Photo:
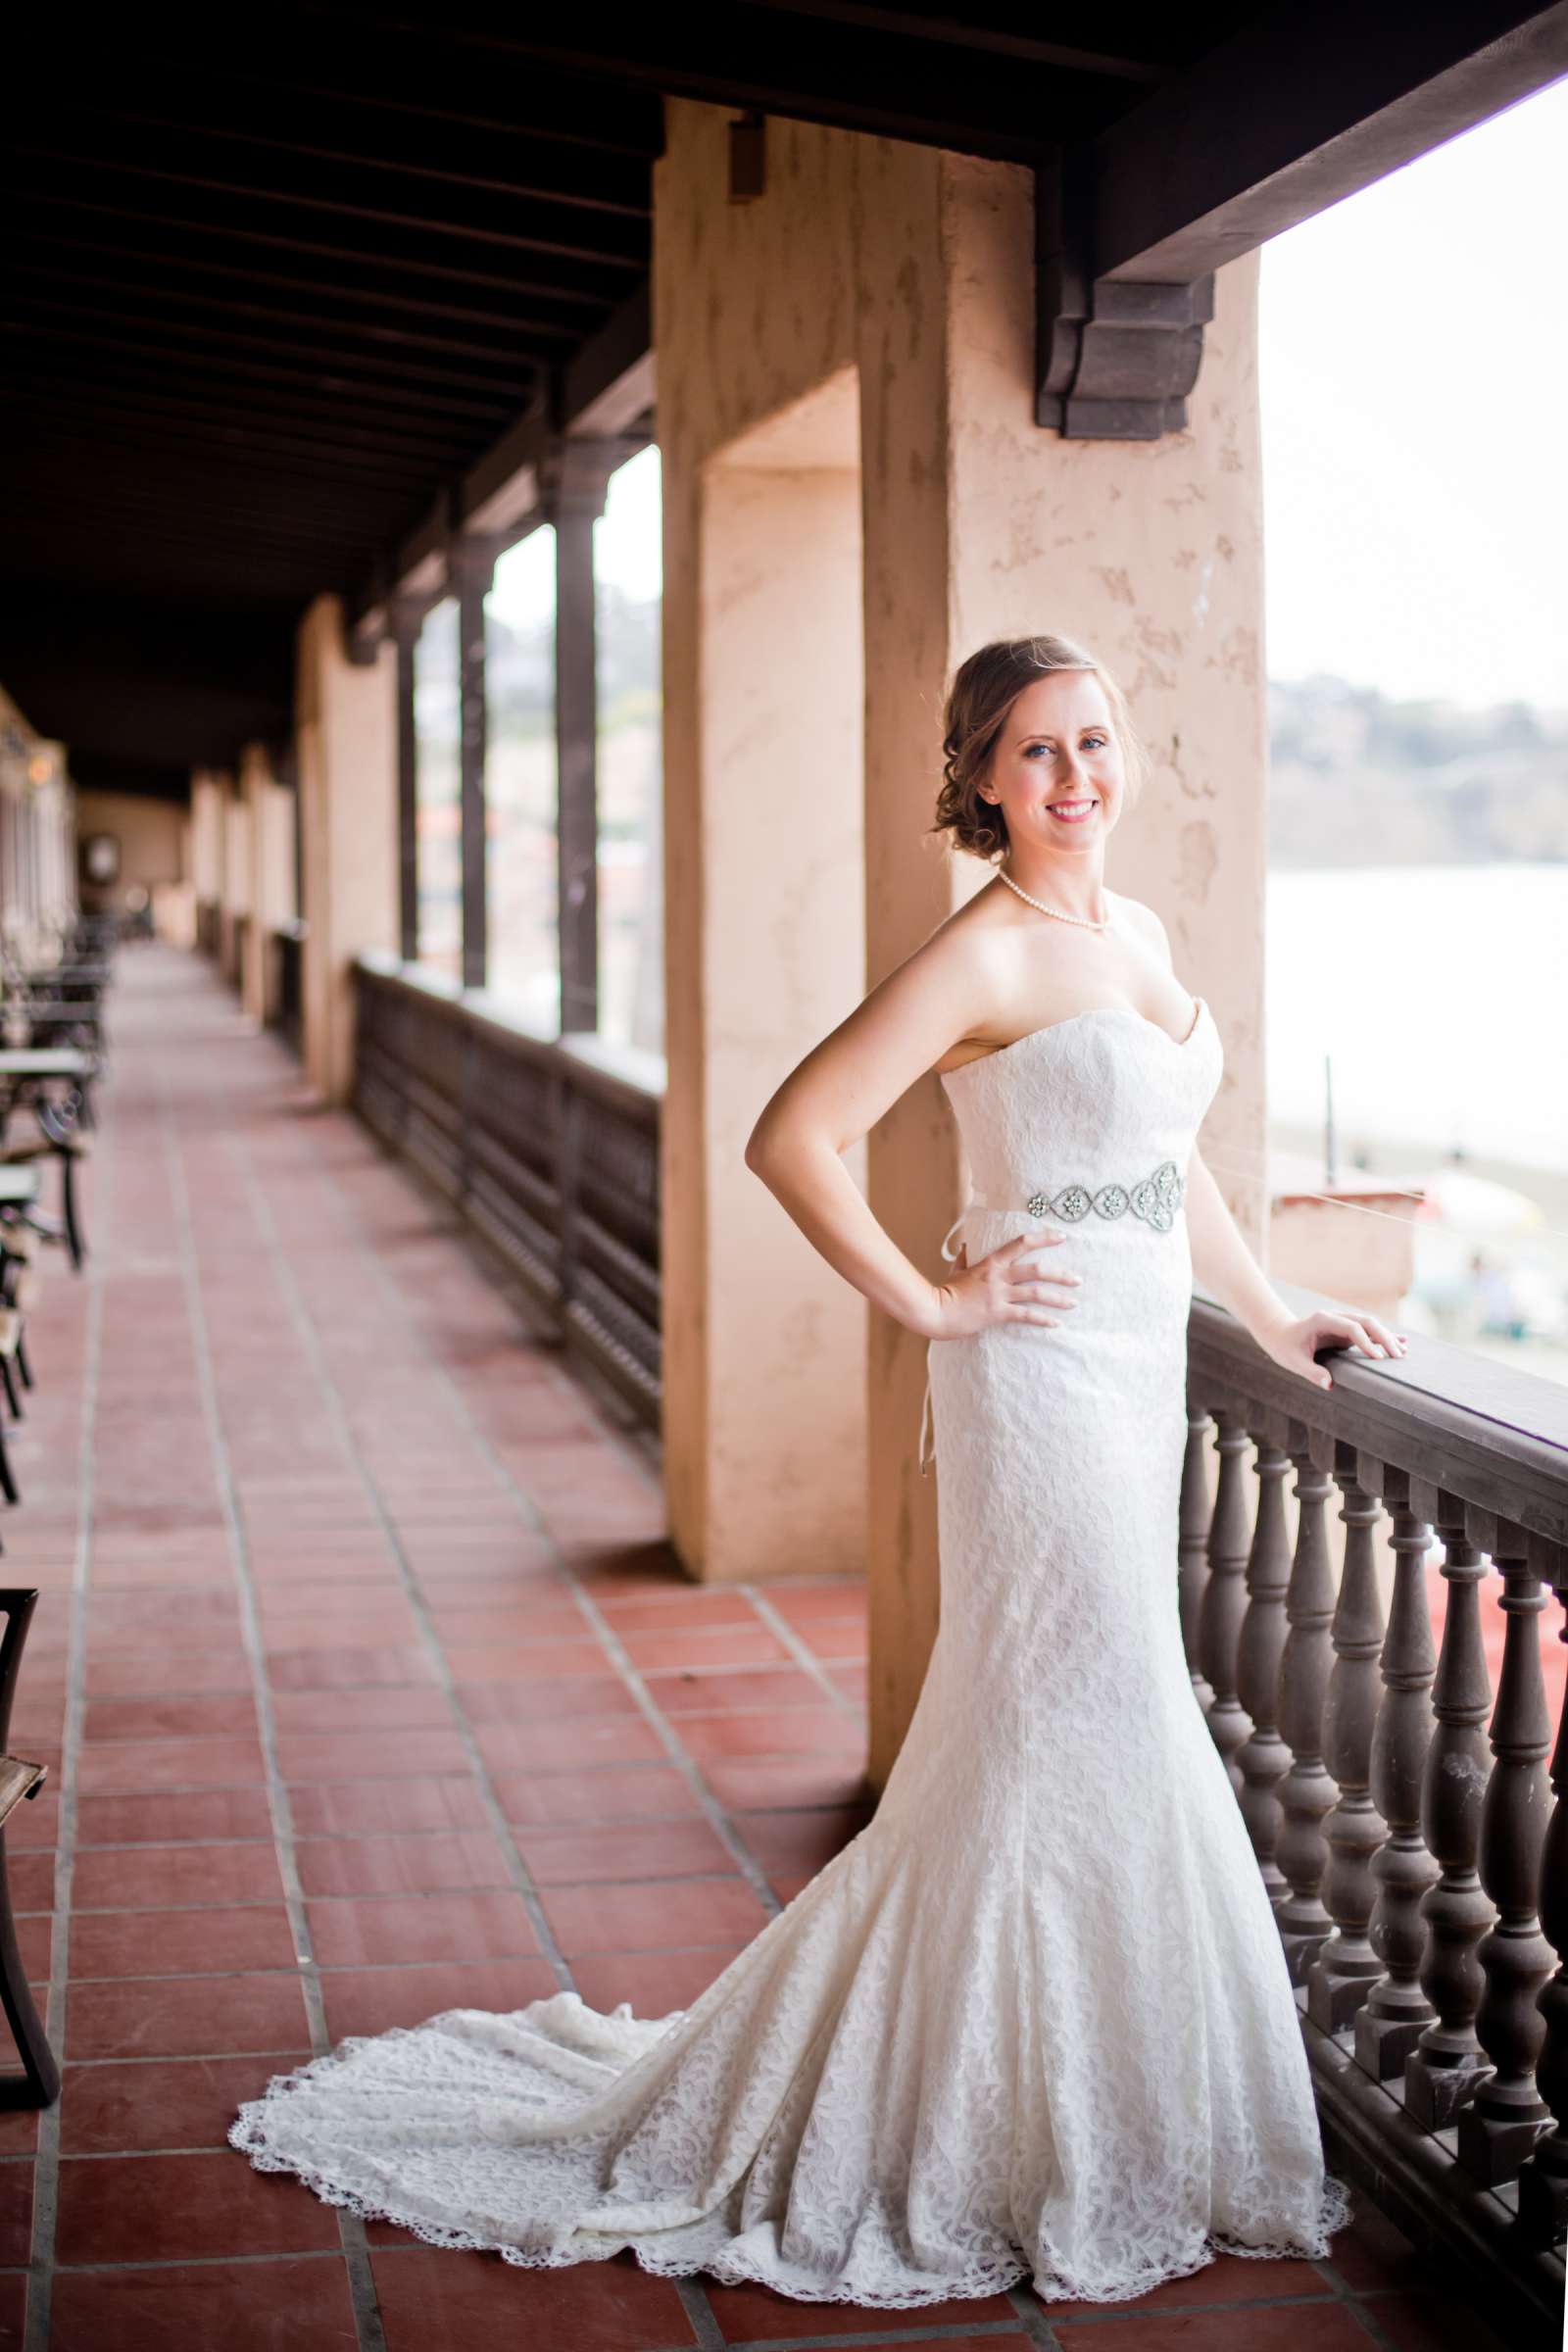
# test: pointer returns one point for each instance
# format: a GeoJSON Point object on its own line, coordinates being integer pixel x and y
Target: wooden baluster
{"type": "Point", "coordinates": [1307, 1793]}
{"type": "Point", "coordinates": [1444, 2069]}
{"type": "Point", "coordinates": [1390, 2021]}
{"type": "Point", "coordinates": [1499, 2127]}
{"type": "Point", "coordinates": [1544, 2181]}
{"type": "Point", "coordinates": [1225, 1595]}
{"type": "Point", "coordinates": [1192, 1543]}
{"type": "Point", "coordinates": [1263, 1759]}
{"type": "Point", "coordinates": [1347, 1968]}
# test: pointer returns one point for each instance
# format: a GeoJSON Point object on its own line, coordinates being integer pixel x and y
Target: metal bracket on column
{"type": "Point", "coordinates": [1115, 358]}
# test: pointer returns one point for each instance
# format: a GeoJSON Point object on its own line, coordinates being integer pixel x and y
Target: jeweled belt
{"type": "Point", "coordinates": [1154, 1199]}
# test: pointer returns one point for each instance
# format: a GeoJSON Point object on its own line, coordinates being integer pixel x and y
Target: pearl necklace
{"type": "Point", "coordinates": [1087, 921]}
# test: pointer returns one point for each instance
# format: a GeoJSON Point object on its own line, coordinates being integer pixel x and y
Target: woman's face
{"type": "Point", "coordinates": [1057, 771]}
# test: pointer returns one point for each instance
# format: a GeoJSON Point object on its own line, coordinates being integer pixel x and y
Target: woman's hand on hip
{"type": "Point", "coordinates": [1002, 1287]}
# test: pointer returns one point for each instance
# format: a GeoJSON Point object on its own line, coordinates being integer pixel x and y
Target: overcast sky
{"type": "Point", "coordinates": [1414, 387]}
{"type": "Point", "coordinates": [1414, 384]}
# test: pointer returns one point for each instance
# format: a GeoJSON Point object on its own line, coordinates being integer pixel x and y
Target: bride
{"type": "Point", "coordinates": [1035, 2021]}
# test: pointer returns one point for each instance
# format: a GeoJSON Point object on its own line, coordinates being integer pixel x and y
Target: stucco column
{"type": "Point", "coordinates": [763, 1344]}
{"type": "Point", "coordinates": [270, 816]}
{"type": "Point", "coordinates": [233, 893]}
{"type": "Point", "coordinates": [207, 854]}
{"type": "Point", "coordinates": [979, 524]}
{"type": "Point", "coordinates": [346, 716]}
{"type": "Point", "coordinates": [255, 771]}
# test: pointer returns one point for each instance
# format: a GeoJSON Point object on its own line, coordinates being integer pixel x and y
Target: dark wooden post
{"type": "Point", "coordinates": [472, 565]}
{"type": "Point", "coordinates": [1390, 2020]}
{"type": "Point", "coordinates": [572, 485]}
{"type": "Point", "coordinates": [1543, 2182]}
{"type": "Point", "coordinates": [1225, 1595]}
{"type": "Point", "coordinates": [1192, 1544]}
{"type": "Point", "coordinates": [1444, 2070]}
{"type": "Point", "coordinates": [406, 618]}
{"type": "Point", "coordinates": [577, 500]}
{"type": "Point", "coordinates": [1306, 1792]}
{"type": "Point", "coordinates": [1499, 2127]}
{"type": "Point", "coordinates": [1347, 1968]}
{"type": "Point", "coordinates": [1263, 1759]}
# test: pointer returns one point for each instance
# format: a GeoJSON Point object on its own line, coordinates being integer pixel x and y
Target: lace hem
{"type": "Point", "coordinates": [718, 2263]}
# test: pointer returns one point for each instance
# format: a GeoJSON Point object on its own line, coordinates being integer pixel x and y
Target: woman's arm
{"type": "Point", "coordinates": [1230, 1273]}
{"type": "Point", "coordinates": [939, 995]}
{"type": "Point", "coordinates": [1223, 1260]}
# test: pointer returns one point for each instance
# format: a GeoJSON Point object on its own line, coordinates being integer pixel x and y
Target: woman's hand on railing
{"type": "Point", "coordinates": [1294, 1341]}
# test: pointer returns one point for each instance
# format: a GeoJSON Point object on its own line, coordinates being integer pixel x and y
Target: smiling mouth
{"type": "Point", "coordinates": [1071, 813]}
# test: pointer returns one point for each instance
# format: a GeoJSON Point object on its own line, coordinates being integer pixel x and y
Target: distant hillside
{"type": "Point", "coordinates": [1359, 780]}
{"type": "Point", "coordinates": [521, 665]}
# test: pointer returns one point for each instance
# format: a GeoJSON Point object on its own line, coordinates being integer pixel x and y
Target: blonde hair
{"type": "Point", "coordinates": [983, 691]}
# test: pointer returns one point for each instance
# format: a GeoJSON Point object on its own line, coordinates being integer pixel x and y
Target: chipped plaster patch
{"type": "Point", "coordinates": [1197, 861]}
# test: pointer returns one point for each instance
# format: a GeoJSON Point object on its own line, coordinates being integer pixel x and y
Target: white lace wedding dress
{"type": "Point", "coordinates": [1035, 2020]}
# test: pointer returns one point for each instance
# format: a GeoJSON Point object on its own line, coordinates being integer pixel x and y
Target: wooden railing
{"type": "Point", "coordinates": [1411, 1835]}
{"type": "Point", "coordinates": [549, 1147]}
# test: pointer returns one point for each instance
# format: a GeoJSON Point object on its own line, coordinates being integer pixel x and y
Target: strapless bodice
{"type": "Point", "coordinates": [1102, 1098]}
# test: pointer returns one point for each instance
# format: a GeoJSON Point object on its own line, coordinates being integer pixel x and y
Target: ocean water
{"type": "Point", "coordinates": [1440, 994]}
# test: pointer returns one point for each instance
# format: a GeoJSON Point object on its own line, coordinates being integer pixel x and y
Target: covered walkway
{"type": "Point", "coordinates": [369, 1688]}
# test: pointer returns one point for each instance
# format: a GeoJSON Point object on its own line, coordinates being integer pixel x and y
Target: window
{"type": "Point", "coordinates": [521, 783]}
{"type": "Point", "coordinates": [438, 789]}
{"type": "Point", "coordinates": [628, 551]}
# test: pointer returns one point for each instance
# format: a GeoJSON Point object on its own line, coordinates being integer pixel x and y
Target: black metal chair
{"type": "Point", "coordinates": [39, 2084]}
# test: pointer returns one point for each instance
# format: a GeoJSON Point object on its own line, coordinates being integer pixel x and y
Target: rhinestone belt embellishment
{"type": "Point", "coordinates": [1155, 1200]}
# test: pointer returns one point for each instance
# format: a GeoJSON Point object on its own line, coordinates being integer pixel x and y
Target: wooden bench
{"type": "Point", "coordinates": [39, 2084]}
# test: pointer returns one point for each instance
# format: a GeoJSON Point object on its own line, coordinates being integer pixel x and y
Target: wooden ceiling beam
{"type": "Point", "coordinates": [309, 53]}
{"type": "Point", "coordinates": [217, 295]}
{"type": "Point", "coordinates": [1153, 43]}
{"type": "Point", "coordinates": [330, 499]}
{"type": "Point", "coordinates": [849, 74]}
{"type": "Point", "coordinates": [59, 408]}
{"type": "Point", "coordinates": [141, 246]}
{"type": "Point", "coordinates": [196, 355]}
{"type": "Point", "coordinates": [290, 132]}
{"type": "Point", "coordinates": [1302, 108]}
{"type": "Point", "coordinates": [1201, 172]}
{"type": "Point", "coordinates": [439, 264]}
{"type": "Point", "coordinates": [314, 186]}
{"type": "Point", "coordinates": [149, 397]}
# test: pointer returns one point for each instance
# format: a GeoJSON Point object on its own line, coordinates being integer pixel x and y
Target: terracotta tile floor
{"type": "Point", "coordinates": [360, 1640]}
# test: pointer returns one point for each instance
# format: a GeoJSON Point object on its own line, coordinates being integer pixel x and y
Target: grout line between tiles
{"type": "Point", "coordinates": [46, 2176]}
{"type": "Point", "coordinates": [368, 2330]}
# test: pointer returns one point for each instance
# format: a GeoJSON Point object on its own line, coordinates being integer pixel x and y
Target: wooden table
{"type": "Point", "coordinates": [44, 1062]}
{"type": "Point", "coordinates": [71, 975]}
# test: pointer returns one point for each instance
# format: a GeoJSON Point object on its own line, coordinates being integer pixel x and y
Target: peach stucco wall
{"type": "Point", "coordinates": [763, 1348]}
{"type": "Point", "coordinates": [152, 836]}
{"type": "Point", "coordinates": [980, 524]}
{"type": "Point", "coordinates": [913, 271]}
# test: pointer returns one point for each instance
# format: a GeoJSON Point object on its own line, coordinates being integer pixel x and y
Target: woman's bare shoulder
{"type": "Point", "coordinates": [1144, 920]}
